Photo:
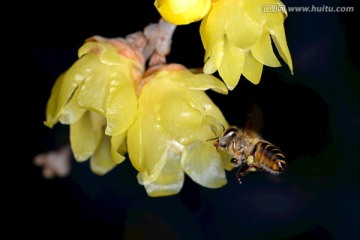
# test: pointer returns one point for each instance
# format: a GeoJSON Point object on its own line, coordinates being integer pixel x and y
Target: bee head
{"type": "Point", "coordinates": [227, 136]}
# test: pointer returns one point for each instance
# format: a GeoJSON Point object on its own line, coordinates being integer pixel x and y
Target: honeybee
{"type": "Point", "coordinates": [250, 152]}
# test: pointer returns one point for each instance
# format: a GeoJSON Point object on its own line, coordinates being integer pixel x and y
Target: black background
{"type": "Point", "coordinates": [313, 116]}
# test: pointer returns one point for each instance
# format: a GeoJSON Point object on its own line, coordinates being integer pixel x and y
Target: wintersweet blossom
{"type": "Point", "coordinates": [237, 36]}
{"type": "Point", "coordinates": [161, 119]}
{"type": "Point", "coordinates": [169, 135]}
{"type": "Point", "coordinates": [92, 97]}
{"type": "Point", "coordinates": [184, 11]}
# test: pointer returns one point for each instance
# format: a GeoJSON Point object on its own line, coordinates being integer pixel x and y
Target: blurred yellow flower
{"type": "Point", "coordinates": [173, 122]}
{"type": "Point", "coordinates": [184, 11]}
{"type": "Point", "coordinates": [237, 35]}
{"type": "Point", "coordinates": [92, 97]}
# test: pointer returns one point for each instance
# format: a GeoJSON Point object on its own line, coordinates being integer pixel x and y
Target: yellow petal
{"type": "Point", "coordinates": [213, 25]}
{"type": "Point", "coordinates": [122, 101]}
{"type": "Point", "coordinates": [179, 118]}
{"type": "Point", "coordinates": [212, 28]}
{"type": "Point", "coordinates": [280, 42]}
{"type": "Point", "coordinates": [266, 13]}
{"type": "Point", "coordinates": [203, 164]}
{"type": "Point", "coordinates": [100, 161]}
{"type": "Point", "coordinates": [240, 30]}
{"type": "Point", "coordinates": [67, 113]}
{"type": "Point", "coordinates": [272, 22]}
{"type": "Point", "coordinates": [52, 107]}
{"type": "Point", "coordinates": [94, 90]}
{"type": "Point", "coordinates": [85, 136]}
{"type": "Point", "coordinates": [212, 130]}
{"type": "Point", "coordinates": [134, 143]}
{"type": "Point", "coordinates": [211, 114]}
{"type": "Point", "coordinates": [232, 65]}
{"type": "Point", "coordinates": [171, 177]}
{"type": "Point", "coordinates": [147, 141]}
{"type": "Point", "coordinates": [74, 77]}
{"type": "Point", "coordinates": [178, 6]}
{"type": "Point", "coordinates": [216, 53]}
{"type": "Point", "coordinates": [71, 112]}
{"type": "Point", "coordinates": [88, 47]}
{"type": "Point", "coordinates": [263, 51]}
{"type": "Point", "coordinates": [118, 148]}
{"type": "Point", "coordinates": [252, 68]}
{"type": "Point", "coordinates": [199, 81]}
{"type": "Point", "coordinates": [63, 92]}
{"type": "Point", "coordinates": [106, 53]}
{"type": "Point", "coordinates": [182, 12]}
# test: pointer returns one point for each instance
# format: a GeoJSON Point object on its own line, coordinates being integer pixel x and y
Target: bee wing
{"type": "Point", "coordinates": [254, 119]}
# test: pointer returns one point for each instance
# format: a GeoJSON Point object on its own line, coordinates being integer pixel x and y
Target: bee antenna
{"type": "Point", "coordinates": [219, 123]}
{"type": "Point", "coordinates": [211, 139]}
{"type": "Point", "coordinates": [215, 138]}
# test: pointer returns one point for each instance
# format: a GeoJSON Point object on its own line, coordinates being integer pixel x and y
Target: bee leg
{"type": "Point", "coordinates": [243, 171]}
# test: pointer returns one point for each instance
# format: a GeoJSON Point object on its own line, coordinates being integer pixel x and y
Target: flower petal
{"type": "Point", "coordinates": [145, 150]}
{"type": "Point", "coordinates": [279, 38]}
{"type": "Point", "coordinates": [95, 89]}
{"type": "Point", "coordinates": [272, 22]}
{"type": "Point", "coordinates": [134, 143]}
{"type": "Point", "coordinates": [203, 164]}
{"type": "Point", "coordinates": [211, 114]}
{"type": "Point", "coordinates": [232, 65]}
{"type": "Point", "coordinates": [122, 101]}
{"type": "Point", "coordinates": [171, 177]}
{"type": "Point", "coordinates": [52, 107]}
{"type": "Point", "coordinates": [212, 27]}
{"type": "Point", "coordinates": [182, 12]}
{"type": "Point", "coordinates": [212, 32]}
{"type": "Point", "coordinates": [101, 162]}
{"type": "Point", "coordinates": [241, 31]}
{"type": "Point", "coordinates": [85, 136]}
{"type": "Point", "coordinates": [105, 52]}
{"type": "Point", "coordinates": [63, 92]}
{"type": "Point", "coordinates": [71, 112]}
{"type": "Point", "coordinates": [226, 160]}
{"type": "Point", "coordinates": [215, 57]}
{"type": "Point", "coordinates": [199, 81]}
{"type": "Point", "coordinates": [260, 13]}
{"type": "Point", "coordinates": [74, 76]}
{"type": "Point", "coordinates": [252, 68]}
{"type": "Point", "coordinates": [263, 51]}
{"type": "Point", "coordinates": [179, 118]}
{"type": "Point", "coordinates": [118, 148]}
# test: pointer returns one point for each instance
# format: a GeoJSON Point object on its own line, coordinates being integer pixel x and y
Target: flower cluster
{"type": "Point", "coordinates": [237, 34]}
{"type": "Point", "coordinates": [122, 100]}
{"type": "Point", "coordinates": [159, 116]}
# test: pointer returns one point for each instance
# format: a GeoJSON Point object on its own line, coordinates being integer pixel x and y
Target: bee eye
{"type": "Point", "coordinates": [229, 134]}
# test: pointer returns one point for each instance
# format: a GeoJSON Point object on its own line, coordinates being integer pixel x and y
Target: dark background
{"type": "Point", "coordinates": [313, 116]}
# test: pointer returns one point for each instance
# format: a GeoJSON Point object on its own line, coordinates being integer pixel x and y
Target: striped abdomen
{"type": "Point", "coordinates": [268, 157]}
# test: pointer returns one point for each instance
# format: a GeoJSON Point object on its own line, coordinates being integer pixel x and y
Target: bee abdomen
{"type": "Point", "coordinates": [269, 157]}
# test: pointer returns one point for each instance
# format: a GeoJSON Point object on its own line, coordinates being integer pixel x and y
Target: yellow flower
{"type": "Point", "coordinates": [168, 137]}
{"type": "Point", "coordinates": [237, 35]}
{"type": "Point", "coordinates": [102, 80]}
{"type": "Point", "coordinates": [182, 11]}
{"type": "Point", "coordinates": [89, 141]}
{"type": "Point", "coordinates": [97, 95]}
